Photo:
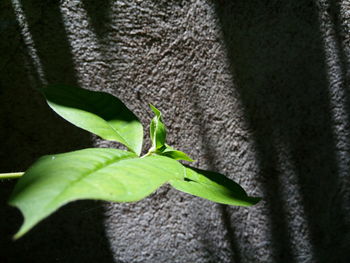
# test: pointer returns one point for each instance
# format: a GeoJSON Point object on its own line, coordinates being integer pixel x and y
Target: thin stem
{"type": "Point", "coordinates": [150, 151]}
{"type": "Point", "coordinates": [11, 175]}
{"type": "Point", "coordinates": [147, 154]}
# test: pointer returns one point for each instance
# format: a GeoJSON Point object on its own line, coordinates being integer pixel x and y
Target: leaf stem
{"type": "Point", "coordinates": [10, 175]}
{"type": "Point", "coordinates": [150, 151]}
{"type": "Point", "coordinates": [145, 155]}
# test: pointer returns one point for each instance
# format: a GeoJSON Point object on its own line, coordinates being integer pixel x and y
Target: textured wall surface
{"type": "Point", "coordinates": [258, 90]}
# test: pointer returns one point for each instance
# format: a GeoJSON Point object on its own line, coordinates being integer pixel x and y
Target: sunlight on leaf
{"type": "Point", "coordinates": [97, 112]}
{"type": "Point", "coordinates": [214, 187]}
{"type": "Point", "coordinates": [97, 173]}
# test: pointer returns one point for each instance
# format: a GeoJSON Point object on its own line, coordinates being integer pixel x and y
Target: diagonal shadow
{"type": "Point", "coordinates": [30, 129]}
{"type": "Point", "coordinates": [340, 33]}
{"type": "Point", "coordinates": [277, 58]}
{"type": "Point", "coordinates": [210, 158]}
{"type": "Point", "coordinates": [339, 72]}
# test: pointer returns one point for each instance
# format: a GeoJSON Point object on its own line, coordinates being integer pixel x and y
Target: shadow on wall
{"type": "Point", "coordinates": [98, 14]}
{"type": "Point", "coordinates": [278, 62]}
{"type": "Point", "coordinates": [29, 129]}
{"type": "Point", "coordinates": [209, 244]}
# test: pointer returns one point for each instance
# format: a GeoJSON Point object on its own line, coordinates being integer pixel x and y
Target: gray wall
{"type": "Point", "coordinates": [258, 90]}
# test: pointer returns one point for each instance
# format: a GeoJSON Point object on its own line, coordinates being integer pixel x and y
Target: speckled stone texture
{"type": "Point", "coordinates": [257, 90]}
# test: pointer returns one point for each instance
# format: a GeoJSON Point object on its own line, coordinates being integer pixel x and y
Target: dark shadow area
{"type": "Point", "coordinates": [29, 129]}
{"type": "Point", "coordinates": [226, 219]}
{"type": "Point", "coordinates": [278, 63]}
{"type": "Point", "coordinates": [98, 15]}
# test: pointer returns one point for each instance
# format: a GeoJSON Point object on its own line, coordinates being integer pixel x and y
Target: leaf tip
{"type": "Point", "coordinates": [23, 230]}
{"type": "Point", "coordinates": [17, 236]}
{"type": "Point", "coordinates": [252, 200]}
{"type": "Point", "coordinates": [155, 110]}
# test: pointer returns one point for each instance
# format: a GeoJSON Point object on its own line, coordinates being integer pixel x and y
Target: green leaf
{"type": "Point", "coordinates": [177, 155]}
{"type": "Point", "coordinates": [170, 152]}
{"type": "Point", "coordinates": [103, 174]}
{"type": "Point", "coordinates": [97, 112]}
{"type": "Point", "coordinates": [214, 187]}
{"type": "Point", "coordinates": [158, 137]}
{"type": "Point", "coordinates": [157, 129]}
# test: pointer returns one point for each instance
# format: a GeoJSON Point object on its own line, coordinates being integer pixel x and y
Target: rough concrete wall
{"type": "Point", "coordinates": [257, 90]}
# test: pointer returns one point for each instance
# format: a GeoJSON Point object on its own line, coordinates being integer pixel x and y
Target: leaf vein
{"type": "Point", "coordinates": [84, 175]}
